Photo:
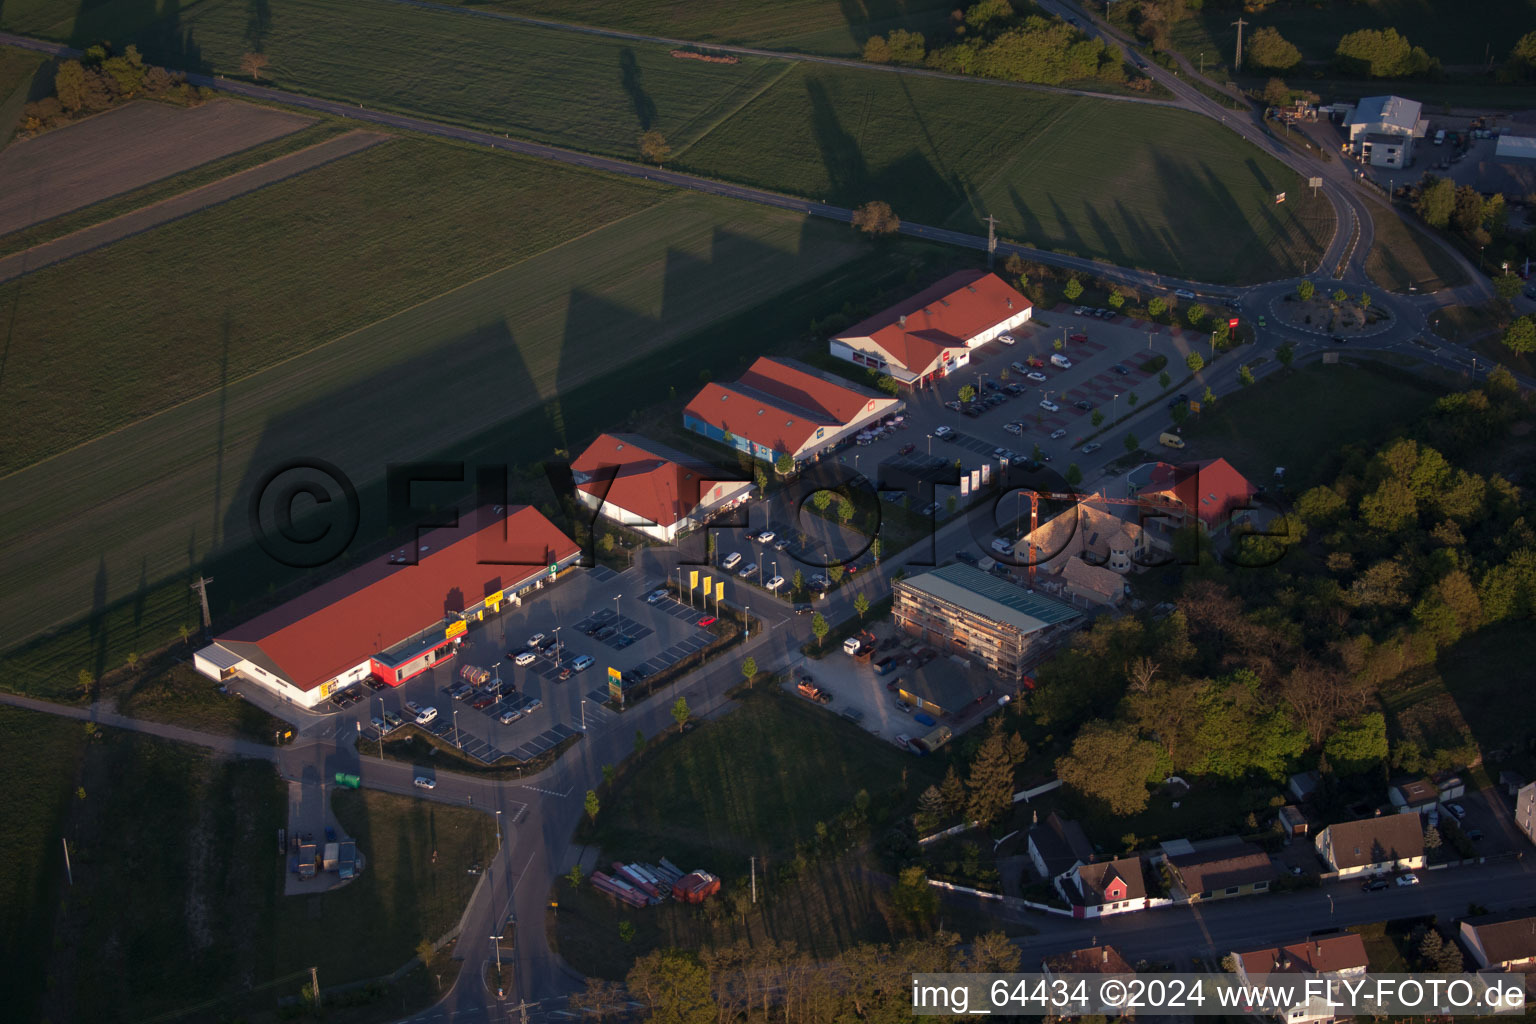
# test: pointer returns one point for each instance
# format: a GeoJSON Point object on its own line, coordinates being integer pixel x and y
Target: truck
{"type": "Point", "coordinates": [808, 688]}
{"type": "Point", "coordinates": [887, 664]}
{"type": "Point", "coordinates": [332, 856]}
{"type": "Point", "coordinates": [933, 741]}
{"type": "Point", "coordinates": [306, 861]}
{"type": "Point", "coordinates": [474, 675]}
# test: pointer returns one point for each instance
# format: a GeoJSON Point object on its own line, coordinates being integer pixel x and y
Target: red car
{"type": "Point", "coordinates": [851, 568]}
{"type": "Point", "coordinates": [1079, 337]}
{"type": "Point", "coordinates": [1035, 361]}
{"type": "Point", "coordinates": [708, 620]}
{"type": "Point", "coordinates": [906, 449]}
{"type": "Point", "coordinates": [484, 702]}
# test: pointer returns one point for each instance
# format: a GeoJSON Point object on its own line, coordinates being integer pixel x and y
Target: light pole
{"type": "Point", "coordinates": [498, 830]}
{"type": "Point", "coordinates": [497, 940]}
{"type": "Point", "coordinates": [456, 729]}
{"type": "Point", "coordinates": [616, 608]}
{"type": "Point", "coordinates": [557, 641]}
{"type": "Point", "coordinates": [1115, 408]}
{"type": "Point", "coordinates": [930, 446]}
{"type": "Point", "coordinates": [583, 716]}
{"type": "Point", "coordinates": [381, 728]}
{"type": "Point", "coordinates": [746, 622]}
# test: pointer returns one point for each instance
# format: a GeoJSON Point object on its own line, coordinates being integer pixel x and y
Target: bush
{"type": "Point", "coordinates": [1154, 364]}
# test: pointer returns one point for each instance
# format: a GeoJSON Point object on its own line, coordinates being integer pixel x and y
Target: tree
{"type": "Point", "coordinates": [1381, 54]}
{"type": "Point", "coordinates": [760, 477]}
{"type": "Point", "coordinates": [424, 951]}
{"type": "Point", "coordinates": [1208, 396]}
{"type": "Point", "coordinates": [819, 628]}
{"type": "Point", "coordinates": [1508, 286]}
{"type": "Point", "coordinates": [609, 774]}
{"type": "Point", "coordinates": [1157, 307]}
{"type": "Point", "coordinates": [1131, 444]}
{"type": "Point", "coordinates": [654, 148]}
{"type": "Point", "coordinates": [876, 218]}
{"type": "Point", "coordinates": [1073, 289]}
{"type": "Point", "coordinates": [1113, 764]}
{"type": "Point", "coordinates": [674, 986]}
{"type": "Point", "coordinates": [1432, 839]}
{"type": "Point", "coordinates": [1267, 48]}
{"type": "Point", "coordinates": [1131, 399]}
{"type": "Point", "coordinates": [890, 385]}
{"type": "Point", "coordinates": [798, 582]}
{"type": "Point", "coordinates": [989, 785]}
{"type": "Point", "coordinates": [639, 741]}
{"type": "Point", "coordinates": [1436, 201]}
{"type": "Point", "coordinates": [1163, 380]}
{"type": "Point", "coordinates": [1306, 289]}
{"type": "Point", "coordinates": [69, 85]}
{"type": "Point", "coordinates": [1197, 314]}
{"type": "Point", "coordinates": [967, 393]}
{"type": "Point", "coordinates": [749, 668]}
{"type": "Point", "coordinates": [877, 50]}
{"type": "Point", "coordinates": [913, 898]}
{"type": "Point", "coordinates": [1277, 93]}
{"type": "Point", "coordinates": [906, 47]}
{"type": "Point", "coordinates": [599, 1000]}
{"type": "Point", "coordinates": [1116, 300]}
{"type": "Point", "coordinates": [680, 712]}
{"type": "Point", "coordinates": [574, 876]}
{"type": "Point", "coordinates": [953, 792]}
{"type": "Point", "coordinates": [1097, 419]}
{"type": "Point", "coordinates": [1521, 336]}
{"type": "Point", "coordinates": [784, 464]}
{"type": "Point", "coordinates": [1074, 475]}
{"type": "Point", "coordinates": [822, 499]}
{"type": "Point", "coordinates": [835, 573]}
{"type": "Point", "coordinates": [590, 805]}
{"type": "Point", "coordinates": [133, 660]}
{"type": "Point", "coordinates": [1358, 746]}
{"type": "Point", "coordinates": [1195, 362]}
{"type": "Point", "coordinates": [860, 605]}
{"type": "Point", "coordinates": [1524, 52]}
{"type": "Point", "coordinates": [253, 64]}
{"type": "Point", "coordinates": [1286, 352]}
{"type": "Point", "coordinates": [86, 680]}
{"type": "Point", "coordinates": [1244, 376]}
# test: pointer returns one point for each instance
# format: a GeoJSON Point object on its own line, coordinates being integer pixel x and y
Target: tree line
{"type": "Point", "coordinates": [101, 79]}
{"type": "Point", "coordinates": [1281, 665]}
{"type": "Point", "coordinates": [990, 40]}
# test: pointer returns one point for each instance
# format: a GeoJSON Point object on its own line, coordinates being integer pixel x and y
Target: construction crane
{"type": "Point", "coordinates": [1034, 511]}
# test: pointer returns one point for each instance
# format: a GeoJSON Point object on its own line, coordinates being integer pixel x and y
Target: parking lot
{"type": "Point", "coordinates": [550, 698]}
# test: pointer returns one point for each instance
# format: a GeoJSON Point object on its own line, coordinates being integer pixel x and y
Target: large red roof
{"type": "Point", "coordinates": [781, 405]}
{"type": "Point", "coordinates": [651, 481]}
{"type": "Point", "coordinates": [1211, 489]}
{"type": "Point", "coordinates": [944, 316]}
{"type": "Point", "coordinates": [341, 624]}
{"type": "Point", "coordinates": [835, 401]}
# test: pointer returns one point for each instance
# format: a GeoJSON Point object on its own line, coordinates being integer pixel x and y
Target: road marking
{"type": "Point", "coordinates": [547, 792]}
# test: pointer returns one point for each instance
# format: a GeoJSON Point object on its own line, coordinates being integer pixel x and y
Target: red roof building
{"type": "Point", "coordinates": [930, 335]}
{"type": "Point", "coordinates": [1212, 490]}
{"type": "Point", "coordinates": [390, 618]}
{"type": "Point", "coordinates": [652, 489]}
{"type": "Point", "coordinates": [780, 406]}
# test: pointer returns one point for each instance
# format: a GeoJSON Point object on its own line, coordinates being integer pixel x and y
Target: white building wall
{"type": "Point", "coordinates": [1017, 320]}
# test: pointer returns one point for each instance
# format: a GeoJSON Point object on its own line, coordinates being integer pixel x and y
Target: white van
{"type": "Point", "coordinates": [1170, 440]}
{"type": "Point", "coordinates": [426, 716]}
{"type": "Point", "coordinates": [582, 663]}
{"type": "Point", "coordinates": [1440, 137]}
{"type": "Point", "coordinates": [1062, 361]}
{"type": "Point", "coordinates": [732, 560]}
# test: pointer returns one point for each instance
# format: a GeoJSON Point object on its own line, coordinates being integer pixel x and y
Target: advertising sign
{"type": "Point", "coordinates": [1232, 324]}
{"type": "Point", "coordinates": [454, 629]}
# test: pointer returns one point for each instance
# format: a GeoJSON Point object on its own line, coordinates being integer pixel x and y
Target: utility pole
{"type": "Point", "coordinates": [314, 984]}
{"type": "Point", "coordinates": [991, 240]}
{"type": "Point", "coordinates": [1238, 64]}
{"type": "Point", "coordinates": [754, 880]}
{"type": "Point", "coordinates": [201, 586]}
{"type": "Point", "coordinates": [70, 874]}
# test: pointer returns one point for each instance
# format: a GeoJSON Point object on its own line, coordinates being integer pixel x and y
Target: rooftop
{"type": "Point", "coordinates": [1093, 960]}
{"type": "Point", "coordinates": [650, 480]}
{"type": "Point", "coordinates": [1060, 843]}
{"type": "Point", "coordinates": [947, 314]}
{"type": "Point", "coordinates": [1222, 867]}
{"type": "Point", "coordinates": [1506, 937]}
{"type": "Point", "coordinates": [1321, 955]}
{"type": "Point", "coordinates": [1396, 111]}
{"type": "Point", "coordinates": [948, 683]}
{"type": "Point", "coordinates": [990, 597]}
{"type": "Point", "coordinates": [784, 405]}
{"type": "Point", "coordinates": [1372, 840]}
{"type": "Point", "coordinates": [1095, 878]}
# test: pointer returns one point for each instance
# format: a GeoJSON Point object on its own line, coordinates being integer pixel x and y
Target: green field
{"type": "Point", "coordinates": [836, 29]}
{"type": "Point", "coordinates": [1404, 254]}
{"type": "Point", "coordinates": [1364, 404]}
{"type": "Point", "coordinates": [16, 68]}
{"type": "Point", "coordinates": [1315, 29]}
{"type": "Point", "coordinates": [1144, 186]}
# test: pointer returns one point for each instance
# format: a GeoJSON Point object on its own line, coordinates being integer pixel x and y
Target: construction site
{"type": "Point", "coordinates": [644, 885]}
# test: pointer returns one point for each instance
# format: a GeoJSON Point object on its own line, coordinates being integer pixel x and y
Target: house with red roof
{"type": "Point", "coordinates": [651, 488]}
{"type": "Point", "coordinates": [1099, 888]}
{"type": "Point", "coordinates": [1314, 969]}
{"type": "Point", "coordinates": [782, 406]}
{"type": "Point", "coordinates": [929, 336]}
{"type": "Point", "coordinates": [395, 616]}
{"type": "Point", "coordinates": [1210, 492]}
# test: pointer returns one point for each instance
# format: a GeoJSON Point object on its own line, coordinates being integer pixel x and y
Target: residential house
{"type": "Point", "coordinates": [1525, 810]}
{"type": "Point", "coordinates": [780, 406]}
{"type": "Point", "coordinates": [1057, 845]}
{"type": "Point", "coordinates": [930, 335]}
{"type": "Point", "coordinates": [1083, 553]}
{"type": "Point", "coordinates": [1101, 888]}
{"type": "Point", "coordinates": [1415, 796]}
{"type": "Point", "coordinates": [1210, 493]}
{"type": "Point", "coordinates": [1502, 941]}
{"type": "Point", "coordinates": [1382, 130]}
{"type": "Point", "coordinates": [1303, 785]}
{"type": "Point", "coordinates": [651, 488]}
{"type": "Point", "coordinates": [1331, 957]}
{"type": "Point", "coordinates": [1292, 821]}
{"type": "Point", "coordinates": [1386, 842]}
{"type": "Point", "coordinates": [1511, 782]}
{"type": "Point", "coordinates": [1220, 871]}
{"type": "Point", "coordinates": [1092, 960]}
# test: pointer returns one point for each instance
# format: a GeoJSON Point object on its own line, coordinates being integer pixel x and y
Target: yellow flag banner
{"type": "Point", "coordinates": [693, 579]}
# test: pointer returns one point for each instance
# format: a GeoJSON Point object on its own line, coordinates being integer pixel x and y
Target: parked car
{"type": "Point", "coordinates": [1458, 810]}
{"type": "Point", "coordinates": [1049, 406]}
{"type": "Point", "coordinates": [1091, 447]}
{"type": "Point", "coordinates": [654, 596]}
{"type": "Point", "coordinates": [1079, 337]}
{"type": "Point", "coordinates": [510, 716]}
{"type": "Point", "coordinates": [524, 658]}
{"type": "Point", "coordinates": [943, 430]}
{"type": "Point", "coordinates": [1014, 428]}
{"type": "Point", "coordinates": [952, 405]}
{"type": "Point", "coordinates": [533, 706]}
{"type": "Point", "coordinates": [782, 544]}
{"type": "Point", "coordinates": [1375, 885]}
{"type": "Point", "coordinates": [775, 583]}
{"type": "Point", "coordinates": [422, 782]}
{"type": "Point", "coordinates": [732, 560]}
{"type": "Point", "coordinates": [484, 702]}
{"type": "Point", "coordinates": [803, 608]}
{"type": "Point", "coordinates": [1474, 834]}
{"type": "Point", "coordinates": [461, 692]}
{"type": "Point", "coordinates": [1006, 339]}
{"type": "Point", "coordinates": [766, 537]}
{"type": "Point", "coordinates": [1013, 389]}
{"type": "Point", "coordinates": [1037, 376]}
{"type": "Point", "coordinates": [747, 570]}
{"type": "Point", "coordinates": [581, 663]}
{"type": "Point", "coordinates": [708, 620]}
{"type": "Point", "coordinates": [903, 707]}
{"type": "Point", "coordinates": [1409, 879]}
{"type": "Point", "coordinates": [426, 716]}
{"type": "Point", "coordinates": [1058, 433]}
{"type": "Point", "coordinates": [906, 449]}
{"type": "Point", "coordinates": [903, 741]}
{"type": "Point", "coordinates": [1262, 321]}
{"type": "Point", "coordinates": [546, 643]}
{"type": "Point", "coordinates": [537, 640]}
{"type": "Point", "coordinates": [375, 683]}
{"type": "Point", "coordinates": [1122, 371]}
{"type": "Point", "coordinates": [1083, 404]}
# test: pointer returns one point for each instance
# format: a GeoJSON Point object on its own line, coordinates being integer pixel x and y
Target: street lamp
{"type": "Point", "coordinates": [1115, 409]}
{"type": "Point", "coordinates": [498, 830]}
{"type": "Point", "coordinates": [497, 940]}
{"type": "Point", "coordinates": [746, 622]}
{"type": "Point", "coordinates": [930, 445]}
{"type": "Point", "coordinates": [456, 729]}
{"type": "Point", "coordinates": [558, 628]}
{"type": "Point", "coordinates": [583, 718]}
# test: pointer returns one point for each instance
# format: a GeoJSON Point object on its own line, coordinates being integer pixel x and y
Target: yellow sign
{"type": "Point", "coordinates": [492, 600]}
{"type": "Point", "coordinates": [1194, 406]}
{"type": "Point", "coordinates": [614, 674]}
{"type": "Point", "coordinates": [326, 689]}
{"type": "Point", "coordinates": [719, 589]}
{"type": "Point", "coordinates": [693, 579]}
{"type": "Point", "coordinates": [455, 629]}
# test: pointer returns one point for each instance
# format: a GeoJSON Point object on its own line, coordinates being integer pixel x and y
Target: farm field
{"type": "Point", "coordinates": [1364, 404]}
{"type": "Point", "coordinates": [807, 26]}
{"type": "Point", "coordinates": [123, 149]}
{"type": "Point", "coordinates": [1315, 30]}
{"type": "Point", "coordinates": [550, 85]}
{"type": "Point", "coordinates": [83, 22]}
{"type": "Point", "coordinates": [1404, 254]}
{"type": "Point", "coordinates": [1145, 187]}
{"type": "Point", "coordinates": [524, 336]}
{"type": "Point", "coordinates": [16, 69]}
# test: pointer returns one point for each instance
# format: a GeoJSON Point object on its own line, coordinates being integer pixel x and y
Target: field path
{"type": "Point", "coordinates": [174, 208]}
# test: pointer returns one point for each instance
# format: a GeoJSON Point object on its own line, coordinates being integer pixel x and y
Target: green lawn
{"type": "Point", "coordinates": [16, 69]}
{"type": "Point", "coordinates": [753, 782]}
{"type": "Point", "coordinates": [1386, 946]}
{"type": "Point", "coordinates": [39, 755]}
{"type": "Point", "coordinates": [807, 26]}
{"type": "Point", "coordinates": [82, 21]}
{"type": "Point", "coordinates": [1363, 404]}
{"type": "Point", "coordinates": [1481, 675]}
{"type": "Point", "coordinates": [1405, 254]}
{"type": "Point", "coordinates": [1146, 187]}
{"type": "Point", "coordinates": [118, 205]}
{"type": "Point", "coordinates": [177, 693]}
{"type": "Point", "coordinates": [1316, 28]}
